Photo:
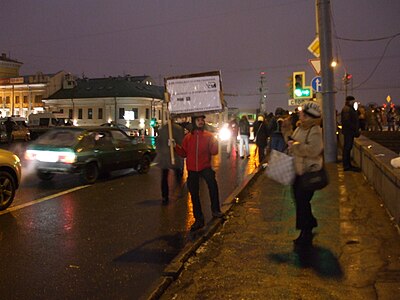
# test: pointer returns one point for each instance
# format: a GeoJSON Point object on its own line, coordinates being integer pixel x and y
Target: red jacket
{"type": "Point", "coordinates": [198, 147]}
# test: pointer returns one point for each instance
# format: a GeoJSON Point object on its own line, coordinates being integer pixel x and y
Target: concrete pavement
{"type": "Point", "coordinates": [356, 252]}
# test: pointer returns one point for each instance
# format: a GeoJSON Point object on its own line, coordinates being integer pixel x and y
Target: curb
{"type": "Point", "coordinates": [175, 267]}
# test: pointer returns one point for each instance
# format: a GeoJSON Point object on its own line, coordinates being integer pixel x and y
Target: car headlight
{"type": "Point", "coordinates": [224, 134]}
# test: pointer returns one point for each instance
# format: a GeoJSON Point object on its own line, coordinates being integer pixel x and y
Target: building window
{"type": "Point", "coordinates": [100, 114]}
{"type": "Point", "coordinates": [121, 113]}
{"type": "Point", "coordinates": [38, 98]}
{"type": "Point", "coordinates": [136, 112]}
{"type": "Point", "coordinates": [70, 113]}
{"type": "Point", "coordinates": [25, 99]}
{"type": "Point", "coordinates": [17, 99]}
{"type": "Point", "coordinates": [90, 113]}
{"type": "Point", "coordinates": [80, 113]}
{"type": "Point", "coordinates": [147, 113]}
{"type": "Point", "coordinates": [8, 99]}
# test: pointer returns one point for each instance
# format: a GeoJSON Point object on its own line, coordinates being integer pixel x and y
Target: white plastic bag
{"type": "Point", "coordinates": [281, 168]}
{"type": "Point", "coordinates": [395, 162]}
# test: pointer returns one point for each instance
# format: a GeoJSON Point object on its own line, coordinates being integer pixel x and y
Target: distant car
{"type": "Point", "coordinates": [89, 152]}
{"type": "Point", "coordinates": [10, 177]}
{"type": "Point", "coordinates": [20, 131]}
{"type": "Point", "coordinates": [127, 130]}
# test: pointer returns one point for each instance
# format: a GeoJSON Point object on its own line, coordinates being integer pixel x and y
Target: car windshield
{"type": "Point", "coordinates": [65, 138]}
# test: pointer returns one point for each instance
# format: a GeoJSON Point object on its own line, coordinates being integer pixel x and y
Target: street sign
{"type": "Point", "coordinates": [316, 84]}
{"type": "Point", "coordinates": [296, 102]}
{"type": "Point", "coordinates": [314, 47]}
{"type": "Point", "coordinates": [316, 65]}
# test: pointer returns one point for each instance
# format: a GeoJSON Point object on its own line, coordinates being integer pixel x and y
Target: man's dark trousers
{"type": "Point", "coordinates": [193, 186]}
{"type": "Point", "coordinates": [347, 146]}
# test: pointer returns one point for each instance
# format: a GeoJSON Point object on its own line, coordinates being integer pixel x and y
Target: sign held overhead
{"type": "Point", "coordinates": [195, 93]}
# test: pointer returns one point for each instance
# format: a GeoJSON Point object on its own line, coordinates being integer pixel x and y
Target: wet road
{"type": "Point", "coordinates": [112, 239]}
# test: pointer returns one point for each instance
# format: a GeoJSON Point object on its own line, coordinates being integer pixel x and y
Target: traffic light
{"type": "Point", "coordinates": [300, 91]}
{"type": "Point", "coordinates": [153, 122]}
{"type": "Point", "coordinates": [347, 78]}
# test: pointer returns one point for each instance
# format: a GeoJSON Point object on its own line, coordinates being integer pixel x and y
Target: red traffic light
{"type": "Point", "coordinates": [349, 76]}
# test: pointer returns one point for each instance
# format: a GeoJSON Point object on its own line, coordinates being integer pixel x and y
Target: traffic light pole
{"type": "Point", "coordinates": [328, 93]}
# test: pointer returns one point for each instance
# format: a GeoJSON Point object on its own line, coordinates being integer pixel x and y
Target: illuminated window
{"type": "Point", "coordinates": [90, 113]}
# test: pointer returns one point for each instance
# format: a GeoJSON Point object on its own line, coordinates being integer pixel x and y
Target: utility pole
{"type": "Point", "coordinates": [263, 94]}
{"type": "Point", "coordinates": [328, 93]}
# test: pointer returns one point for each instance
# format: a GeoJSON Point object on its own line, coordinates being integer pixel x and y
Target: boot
{"type": "Point", "coordinates": [199, 223]}
{"type": "Point", "coordinates": [305, 237]}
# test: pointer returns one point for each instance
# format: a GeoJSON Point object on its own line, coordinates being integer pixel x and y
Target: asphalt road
{"type": "Point", "coordinates": [112, 239]}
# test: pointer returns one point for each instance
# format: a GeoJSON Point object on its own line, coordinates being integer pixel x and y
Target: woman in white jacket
{"type": "Point", "coordinates": [306, 146]}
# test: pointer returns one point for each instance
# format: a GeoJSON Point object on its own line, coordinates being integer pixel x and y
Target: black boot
{"type": "Point", "coordinates": [305, 237]}
{"type": "Point", "coordinates": [199, 223]}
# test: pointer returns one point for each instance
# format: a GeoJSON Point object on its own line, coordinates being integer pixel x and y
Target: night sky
{"type": "Point", "coordinates": [165, 38]}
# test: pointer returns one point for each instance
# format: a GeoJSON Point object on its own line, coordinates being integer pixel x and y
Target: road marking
{"type": "Point", "coordinates": [13, 208]}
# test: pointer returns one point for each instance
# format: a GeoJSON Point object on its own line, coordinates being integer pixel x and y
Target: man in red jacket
{"type": "Point", "coordinates": [198, 146]}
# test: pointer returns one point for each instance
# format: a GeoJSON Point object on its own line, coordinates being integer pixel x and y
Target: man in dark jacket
{"type": "Point", "coordinates": [9, 124]}
{"type": "Point", "coordinates": [261, 137]}
{"type": "Point", "coordinates": [198, 146]}
{"type": "Point", "coordinates": [163, 158]}
{"type": "Point", "coordinates": [350, 130]}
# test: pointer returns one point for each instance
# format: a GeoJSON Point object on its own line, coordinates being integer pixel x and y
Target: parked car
{"type": "Point", "coordinates": [130, 132]}
{"type": "Point", "coordinates": [10, 177]}
{"type": "Point", "coordinates": [20, 131]}
{"type": "Point", "coordinates": [89, 152]}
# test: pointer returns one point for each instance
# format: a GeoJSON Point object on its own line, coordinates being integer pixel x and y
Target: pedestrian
{"type": "Point", "coordinates": [277, 140]}
{"type": "Point", "coordinates": [244, 131]}
{"type": "Point", "coordinates": [9, 125]}
{"type": "Point", "coordinates": [261, 137]}
{"type": "Point", "coordinates": [350, 130]}
{"type": "Point", "coordinates": [391, 119]}
{"type": "Point", "coordinates": [306, 146]}
{"type": "Point", "coordinates": [362, 117]}
{"type": "Point", "coordinates": [233, 127]}
{"type": "Point", "coordinates": [198, 147]}
{"type": "Point", "coordinates": [163, 158]}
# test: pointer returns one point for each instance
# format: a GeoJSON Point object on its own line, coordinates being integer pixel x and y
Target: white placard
{"type": "Point", "coordinates": [194, 94]}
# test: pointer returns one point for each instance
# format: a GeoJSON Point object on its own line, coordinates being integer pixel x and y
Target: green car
{"type": "Point", "coordinates": [89, 152]}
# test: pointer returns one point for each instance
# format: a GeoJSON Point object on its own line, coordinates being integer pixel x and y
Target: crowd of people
{"type": "Point", "coordinates": [298, 134]}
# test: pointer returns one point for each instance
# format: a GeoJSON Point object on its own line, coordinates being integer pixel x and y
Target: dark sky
{"type": "Point", "coordinates": [176, 37]}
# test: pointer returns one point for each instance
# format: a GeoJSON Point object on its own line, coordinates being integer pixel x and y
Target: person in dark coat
{"type": "Point", "coordinates": [163, 158]}
{"type": "Point", "coordinates": [9, 124]}
{"type": "Point", "coordinates": [261, 137]}
{"type": "Point", "coordinates": [350, 130]}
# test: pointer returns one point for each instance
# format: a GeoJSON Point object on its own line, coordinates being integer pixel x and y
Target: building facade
{"type": "Point", "coordinates": [132, 101]}
{"type": "Point", "coordinates": [22, 95]}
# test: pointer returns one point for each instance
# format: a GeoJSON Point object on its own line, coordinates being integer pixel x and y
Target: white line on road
{"type": "Point", "coordinates": [13, 208]}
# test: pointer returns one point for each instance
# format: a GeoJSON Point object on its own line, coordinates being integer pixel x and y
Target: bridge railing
{"type": "Point", "coordinates": [374, 160]}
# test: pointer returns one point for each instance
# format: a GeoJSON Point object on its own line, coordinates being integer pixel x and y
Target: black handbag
{"type": "Point", "coordinates": [312, 181]}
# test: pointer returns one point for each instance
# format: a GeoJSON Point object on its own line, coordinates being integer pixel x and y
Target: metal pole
{"type": "Point", "coordinates": [328, 93]}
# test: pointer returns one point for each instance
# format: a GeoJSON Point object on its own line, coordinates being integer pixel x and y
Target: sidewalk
{"type": "Point", "coordinates": [356, 253]}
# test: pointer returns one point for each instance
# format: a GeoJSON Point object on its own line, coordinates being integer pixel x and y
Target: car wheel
{"type": "Point", "coordinates": [7, 189]}
{"type": "Point", "coordinates": [143, 166]}
{"type": "Point", "coordinates": [90, 173]}
{"type": "Point", "coordinates": [45, 175]}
